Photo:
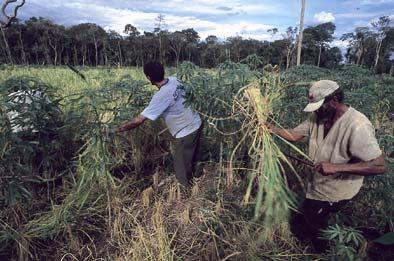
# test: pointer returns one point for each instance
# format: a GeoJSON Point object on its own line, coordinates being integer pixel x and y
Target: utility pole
{"type": "Point", "coordinates": [300, 33]}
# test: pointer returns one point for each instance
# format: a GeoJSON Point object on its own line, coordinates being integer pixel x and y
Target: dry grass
{"type": "Point", "coordinates": [162, 222]}
{"type": "Point", "coordinates": [165, 223]}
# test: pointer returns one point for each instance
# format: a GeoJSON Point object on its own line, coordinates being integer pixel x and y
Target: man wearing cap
{"type": "Point", "coordinates": [344, 149]}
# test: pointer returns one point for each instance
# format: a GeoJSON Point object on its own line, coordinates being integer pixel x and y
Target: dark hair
{"type": "Point", "coordinates": [338, 93]}
{"type": "Point", "coordinates": [154, 70]}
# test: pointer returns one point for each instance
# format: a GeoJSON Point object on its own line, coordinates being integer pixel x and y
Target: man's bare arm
{"type": "Point", "coordinates": [367, 168]}
{"type": "Point", "coordinates": [134, 123]}
{"type": "Point", "coordinates": [287, 134]}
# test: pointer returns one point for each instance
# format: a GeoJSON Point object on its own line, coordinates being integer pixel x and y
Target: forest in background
{"type": "Point", "coordinates": [40, 41]}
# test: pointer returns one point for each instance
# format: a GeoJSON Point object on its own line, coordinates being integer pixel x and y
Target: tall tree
{"type": "Point", "coordinates": [178, 41]}
{"type": "Point", "coordinates": [20, 31]}
{"type": "Point", "coordinates": [381, 27]}
{"type": "Point", "coordinates": [290, 38]}
{"type": "Point", "coordinates": [56, 34]}
{"type": "Point", "coordinates": [134, 51]}
{"type": "Point", "coordinates": [97, 35]}
{"type": "Point", "coordinates": [272, 32]}
{"type": "Point", "coordinates": [325, 34]}
{"type": "Point", "coordinates": [7, 21]}
{"type": "Point", "coordinates": [234, 46]}
{"type": "Point", "coordinates": [210, 51]}
{"type": "Point", "coordinates": [358, 44]}
{"type": "Point", "coordinates": [192, 40]}
{"type": "Point", "coordinates": [40, 29]}
{"type": "Point", "coordinates": [387, 61]}
{"type": "Point", "coordinates": [160, 24]}
{"type": "Point", "coordinates": [115, 48]}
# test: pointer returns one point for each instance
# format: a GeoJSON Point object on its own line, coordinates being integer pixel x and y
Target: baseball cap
{"type": "Point", "coordinates": [318, 92]}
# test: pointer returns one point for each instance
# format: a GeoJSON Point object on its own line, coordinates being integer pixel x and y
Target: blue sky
{"type": "Point", "coordinates": [223, 18]}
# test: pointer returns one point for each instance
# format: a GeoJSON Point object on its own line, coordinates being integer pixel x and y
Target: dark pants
{"type": "Point", "coordinates": [312, 219]}
{"type": "Point", "coordinates": [186, 157]}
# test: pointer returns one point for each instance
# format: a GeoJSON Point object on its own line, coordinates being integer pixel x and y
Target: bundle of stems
{"type": "Point", "coordinates": [267, 178]}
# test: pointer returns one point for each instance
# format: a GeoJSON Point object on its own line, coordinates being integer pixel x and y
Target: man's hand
{"type": "Point", "coordinates": [326, 168]}
{"type": "Point", "coordinates": [134, 123]}
{"type": "Point", "coordinates": [270, 127]}
{"type": "Point", "coordinates": [122, 128]}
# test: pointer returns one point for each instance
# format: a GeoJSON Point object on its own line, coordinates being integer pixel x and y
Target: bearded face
{"type": "Point", "coordinates": [326, 112]}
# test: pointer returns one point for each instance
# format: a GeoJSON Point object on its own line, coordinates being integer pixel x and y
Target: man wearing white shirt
{"type": "Point", "coordinates": [182, 121]}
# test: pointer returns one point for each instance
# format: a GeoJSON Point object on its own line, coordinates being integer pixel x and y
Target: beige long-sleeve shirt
{"type": "Point", "coordinates": [350, 139]}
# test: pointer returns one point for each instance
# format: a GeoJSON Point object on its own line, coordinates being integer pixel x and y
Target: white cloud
{"type": "Point", "coordinates": [376, 2]}
{"type": "Point", "coordinates": [261, 8]}
{"type": "Point", "coordinates": [116, 18]}
{"type": "Point", "coordinates": [324, 17]}
{"type": "Point", "coordinates": [214, 7]}
{"type": "Point", "coordinates": [201, 7]}
{"type": "Point", "coordinates": [360, 23]}
{"type": "Point", "coordinates": [340, 44]}
{"type": "Point", "coordinates": [358, 15]}
{"type": "Point", "coordinates": [244, 29]}
{"type": "Point", "coordinates": [366, 3]}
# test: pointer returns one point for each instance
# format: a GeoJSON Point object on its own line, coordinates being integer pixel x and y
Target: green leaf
{"type": "Point", "coordinates": [386, 239]}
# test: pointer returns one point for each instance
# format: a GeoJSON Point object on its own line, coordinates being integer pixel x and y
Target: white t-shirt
{"type": "Point", "coordinates": [168, 103]}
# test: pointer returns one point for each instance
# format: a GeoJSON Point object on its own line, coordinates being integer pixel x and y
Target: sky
{"type": "Point", "coordinates": [223, 18]}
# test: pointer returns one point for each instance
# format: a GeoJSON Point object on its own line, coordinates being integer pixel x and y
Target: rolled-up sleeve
{"type": "Point", "coordinates": [304, 128]}
{"type": "Point", "coordinates": [159, 103]}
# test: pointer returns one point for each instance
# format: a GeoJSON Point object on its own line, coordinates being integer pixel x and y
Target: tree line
{"type": "Point", "coordinates": [39, 41]}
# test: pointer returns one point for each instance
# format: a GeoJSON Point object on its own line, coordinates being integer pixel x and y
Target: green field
{"type": "Point", "coordinates": [77, 190]}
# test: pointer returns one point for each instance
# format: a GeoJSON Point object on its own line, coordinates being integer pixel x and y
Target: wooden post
{"type": "Point", "coordinates": [300, 33]}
